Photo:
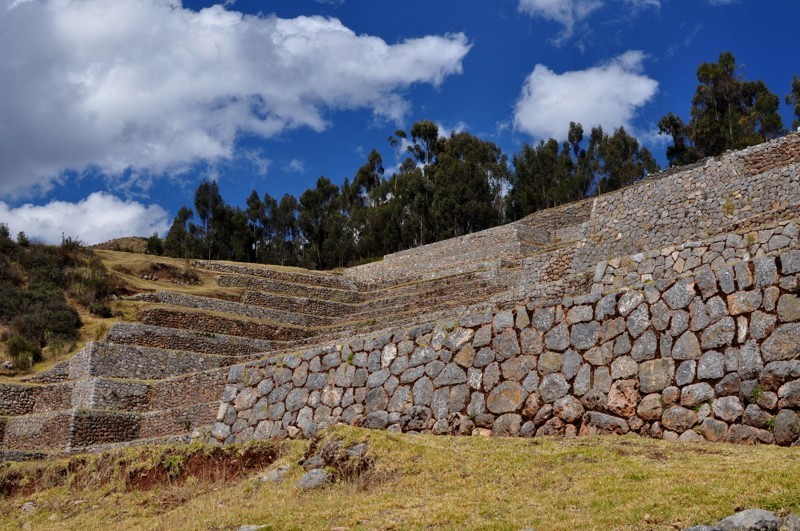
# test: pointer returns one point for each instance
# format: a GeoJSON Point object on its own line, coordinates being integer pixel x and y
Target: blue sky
{"type": "Point", "coordinates": [112, 111]}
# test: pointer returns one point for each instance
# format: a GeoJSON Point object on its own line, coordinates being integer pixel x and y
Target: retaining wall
{"type": "Point", "coordinates": [708, 356]}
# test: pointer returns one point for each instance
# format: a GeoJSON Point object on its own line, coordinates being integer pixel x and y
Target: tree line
{"type": "Point", "coordinates": [447, 186]}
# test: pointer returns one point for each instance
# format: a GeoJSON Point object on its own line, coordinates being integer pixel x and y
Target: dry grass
{"type": "Point", "coordinates": [464, 483]}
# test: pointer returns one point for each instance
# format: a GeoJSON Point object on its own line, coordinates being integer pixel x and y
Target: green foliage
{"type": "Point", "coordinates": [155, 245]}
{"type": "Point", "coordinates": [24, 353]}
{"type": "Point", "coordinates": [35, 282]}
{"type": "Point", "coordinates": [727, 112]}
{"type": "Point", "coordinates": [793, 99]}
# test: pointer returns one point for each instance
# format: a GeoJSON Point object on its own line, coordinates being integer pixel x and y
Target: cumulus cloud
{"type": "Point", "coordinates": [95, 219]}
{"type": "Point", "coordinates": [151, 86]}
{"type": "Point", "coordinates": [608, 95]}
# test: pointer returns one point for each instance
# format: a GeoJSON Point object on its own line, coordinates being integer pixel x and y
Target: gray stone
{"type": "Point", "coordinates": [622, 345]}
{"type": "Point", "coordinates": [789, 395]}
{"type": "Point", "coordinates": [517, 368]}
{"type": "Point", "coordinates": [790, 262]}
{"type": "Point", "coordinates": [377, 420]}
{"type": "Point", "coordinates": [606, 307]}
{"type": "Point", "coordinates": [727, 408]}
{"type": "Point", "coordinates": [712, 429]}
{"type": "Point", "coordinates": [595, 423]}
{"type": "Point", "coordinates": [571, 363]}
{"type": "Point", "coordinates": [440, 403]}
{"type": "Point", "coordinates": [685, 373]}
{"type": "Point", "coordinates": [720, 334]}
{"type": "Point", "coordinates": [787, 427]}
{"type": "Point", "coordinates": [316, 381]}
{"type": "Point", "coordinates": [744, 277]}
{"type": "Point", "coordinates": [761, 325]}
{"type": "Point", "coordinates": [451, 375]}
{"type": "Point", "coordinates": [696, 394]}
{"type": "Point", "coordinates": [579, 314]}
{"type": "Point", "coordinates": [711, 366]}
{"type": "Point", "coordinates": [783, 343]}
{"type": "Point", "coordinates": [650, 408]}
{"type": "Point", "coordinates": [623, 368]}
{"type": "Point", "coordinates": [531, 341]}
{"type": "Point", "coordinates": [600, 355]}
{"type": "Point", "coordinates": [687, 347]}
{"type": "Point", "coordinates": [507, 425]}
{"type": "Point", "coordinates": [789, 308]}
{"type": "Point", "coordinates": [583, 380]}
{"type": "Point", "coordinates": [678, 419]}
{"type": "Point", "coordinates": [422, 356]}
{"type": "Point", "coordinates": [749, 360]}
{"type": "Point", "coordinates": [296, 399]}
{"type": "Point", "coordinates": [645, 347]}
{"type": "Point", "coordinates": [771, 295]}
{"type": "Point", "coordinates": [503, 320]}
{"type": "Point", "coordinates": [656, 375]}
{"type": "Point", "coordinates": [457, 339]}
{"type": "Point", "coordinates": [376, 399]}
{"type": "Point", "coordinates": [698, 315]}
{"type": "Point", "coordinates": [531, 382]}
{"type": "Point", "coordinates": [766, 272]}
{"type": "Point", "coordinates": [543, 319]}
{"type": "Point", "coordinates": [568, 409]}
{"type": "Point", "coordinates": [482, 337]}
{"type": "Point", "coordinates": [706, 282]}
{"type": "Point", "coordinates": [629, 301]}
{"type": "Point", "coordinates": [506, 345]}
{"type": "Point", "coordinates": [313, 479]}
{"type": "Point", "coordinates": [601, 379]}
{"type": "Point", "coordinates": [484, 357]}
{"type": "Point", "coordinates": [378, 378]}
{"type": "Point", "coordinates": [553, 387]}
{"type": "Point", "coordinates": [756, 417]}
{"type": "Point", "coordinates": [750, 520]}
{"type": "Point", "coordinates": [506, 397]}
{"type": "Point", "coordinates": [585, 335]}
{"type": "Point", "coordinates": [680, 323]}
{"type": "Point", "coordinates": [726, 280]}
{"type": "Point", "coordinates": [661, 316]}
{"type": "Point", "coordinates": [741, 434]}
{"type": "Point", "coordinates": [638, 320]}
{"type": "Point", "coordinates": [681, 294]}
{"type": "Point", "coordinates": [595, 400]}
{"type": "Point", "coordinates": [422, 392]}
{"type": "Point", "coordinates": [557, 338]}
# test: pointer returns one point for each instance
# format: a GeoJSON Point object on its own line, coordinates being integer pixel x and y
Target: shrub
{"type": "Point", "coordinates": [24, 353]}
{"type": "Point", "coordinates": [100, 310]}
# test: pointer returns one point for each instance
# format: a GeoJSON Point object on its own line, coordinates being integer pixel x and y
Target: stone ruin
{"type": "Point", "coordinates": [670, 309]}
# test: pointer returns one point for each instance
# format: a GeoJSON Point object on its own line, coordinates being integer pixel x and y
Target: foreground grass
{"type": "Point", "coordinates": [429, 481]}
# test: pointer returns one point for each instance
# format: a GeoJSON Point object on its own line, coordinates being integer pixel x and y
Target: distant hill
{"type": "Point", "coordinates": [128, 244]}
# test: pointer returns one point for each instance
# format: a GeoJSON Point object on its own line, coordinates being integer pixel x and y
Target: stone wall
{"type": "Point", "coordinates": [174, 339]}
{"type": "Point", "coordinates": [22, 399]}
{"type": "Point", "coordinates": [693, 204]}
{"type": "Point", "coordinates": [140, 363]}
{"type": "Point", "coordinates": [709, 356]}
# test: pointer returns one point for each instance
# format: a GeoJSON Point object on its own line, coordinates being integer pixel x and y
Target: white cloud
{"type": "Point", "coordinates": [569, 13]}
{"type": "Point", "coordinates": [295, 166]}
{"type": "Point", "coordinates": [608, 95]}
{"type": "Point", "coordinates": [98, 218]}
{"type": "Point", "coordinates": [150, 86]}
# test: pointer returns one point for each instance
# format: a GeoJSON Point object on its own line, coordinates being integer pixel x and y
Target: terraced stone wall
{"type": "Point", "coordinates": [194, 341]}
{"type": "Point", "coordinates": [694, 204]}
{"type": "Point", "coordinates": [140, 363]}
{"type": "Point", "coordinates": [16, 399]}
{"type": "Point", "coordinates": [710, 356]}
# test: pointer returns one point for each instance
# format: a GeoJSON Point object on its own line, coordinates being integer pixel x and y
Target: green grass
{"type": "Point", "coordinates": [460, 483]}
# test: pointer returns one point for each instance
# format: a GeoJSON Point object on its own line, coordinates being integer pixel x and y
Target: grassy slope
{"type": "Point", "coordinates": [430, 481]}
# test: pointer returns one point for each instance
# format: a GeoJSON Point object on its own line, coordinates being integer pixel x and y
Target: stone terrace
{"type": "Point", "coordinates": [193, 363]}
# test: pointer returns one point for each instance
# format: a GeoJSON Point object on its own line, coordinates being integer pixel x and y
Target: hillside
{"type": "Point", "coordinates": [412, 482]}
{"type": "Point", "coordinates": [669, 309]}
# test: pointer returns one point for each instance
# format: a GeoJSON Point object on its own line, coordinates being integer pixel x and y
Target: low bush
{"type": "Point", "coordinates": [23, 352]}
